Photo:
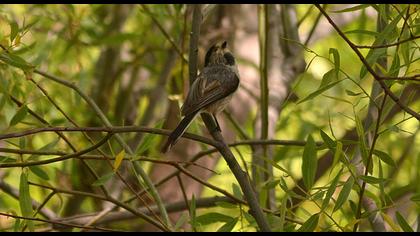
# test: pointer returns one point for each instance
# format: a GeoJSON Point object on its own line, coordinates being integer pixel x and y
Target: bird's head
{"type": "Point", "coordinates": [219, 54]}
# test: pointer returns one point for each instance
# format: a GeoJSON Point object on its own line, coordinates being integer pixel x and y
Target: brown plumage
{"type": "Point", "coordinates": [210, 92]}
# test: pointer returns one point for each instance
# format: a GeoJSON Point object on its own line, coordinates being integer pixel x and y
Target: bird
{"type": "Point", "coordinates": [211, 91]}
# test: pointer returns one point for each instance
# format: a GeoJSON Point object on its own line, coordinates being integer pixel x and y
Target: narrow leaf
{"type": "Point", "coordinates": [403, 223]}
{"type": "Point", "coordinates": [390, 222]}
{"type": "Point", "coordinates": [309, 163]}
{"type": "Point", "coordinates": [213, 217]}
{"type": "Point", "coordinates": [319, 91]}
{"type": "Point", "coordinates": [344, 194]}
{"type": "Point", "coordinates": [236, 191]}
{"type": "Point", "coordinates": [336, 57]}
{"type": "Point", "coordinates": [148, 140]}
{"type": "Point", "coordinates": [19, 116]}
{"type": "Point", "coordinates": [371, 179]}
{"type": "Point", "coordinates": [362, 142]}
{"type": "Point", "coordinates": [327, 140]}
{"type": "Point", "coordinates": [310, 225]}
{"type": "Point", "coordinates": [25, 201]}
{"type": "Point", "coordinates": [338, 153]}
{"type": "Point", "coordinates": [331, 190]}
{"type": "Point", "coordinates": [384, 157]}
{"type": "Point", "coordinates": [355, 8]}
{"type": "Point", "coordinates": [38, 171]}
{"type": "Point", "coordinates": [415, 197]}
{"type": "Point", "coordinates": [118, 159]}
{"type": "Point", "coordinates": [103, 179]}
{"type": "Point", "coordinates": [227, 205]}
{"type": "Point", "coordinates": [228, 226]}
{"type": "Point", "coordinates": [15, 61]}
{"type": "Point", "coordinates": [14, 29]}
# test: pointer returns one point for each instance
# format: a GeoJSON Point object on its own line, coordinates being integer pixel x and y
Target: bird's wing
{"type": "Point", "coordinates": [213, 84]}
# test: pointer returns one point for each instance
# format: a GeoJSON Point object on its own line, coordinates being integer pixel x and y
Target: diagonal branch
{"type": "Point", "coordinates": [368, 67]}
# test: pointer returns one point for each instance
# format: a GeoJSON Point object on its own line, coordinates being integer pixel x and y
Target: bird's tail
{"type": "Point", "coordinates": [178, 132]}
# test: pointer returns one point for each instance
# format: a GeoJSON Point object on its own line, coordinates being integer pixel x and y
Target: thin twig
{"type": "Point", "coordinates": [368, 67]}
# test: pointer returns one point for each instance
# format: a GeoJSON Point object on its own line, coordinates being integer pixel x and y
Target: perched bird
{"type": "Point", "coordinates": [210, 92]}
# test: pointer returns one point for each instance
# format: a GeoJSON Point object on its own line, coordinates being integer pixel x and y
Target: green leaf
{"type": "Point", "coordinates": [344, 194]}
{"type": "Point", "coordinates": [282, 213]}
{"type": "Point", "coordinates": [19, 116]}
{"type": "Point", "coordinates": [351, 93]}
{"type": "Point", "coordinates": [328, 78]}
{"type": "Point", "coordinates": [309, 163]}
{"type": "Point", "coordinates": [147, 140]}
{"type": "Point", "coordinates": [181, 220]}
{"type": "Point", "coordinates": [14, 30]}
{"type": "Point", "coordinates": [15, 61]}
{"type": "Point", "coordinates": [375, 53]}
{"type": "Point", "coordinates": [103, 179]}
{"type": "Point", "coordinates": [227, 205]}
{"type": "Point", "coordinates": [331, 190]}
{"type": "Point", "coordinates": [327, 140]}
{"type": "Point", "coordinates": [415, 197]}
{"type": "Point", "coordinates": [319, 91]}
{"type": "Point", "coordinates": [403, 223]}
{"type": "Point", "coordinates": [193, 213]}
{"type": "Point", "coordinates": [362, 142]}
{"type": "Point", "coordinates": [310, 225]}
{"type": "Point", "coordinates": [338, 153]}
{"type": "Point", "coordinates": [271, 184]}
{"type": "Point", "coordinates": [236, 191]}
{"type": "Point", "coordinates": [384, 157]}
{"type": "Point", "coordinates": [336, 57]}
{"type": "Point", "coordinates": [228, 226]}
{"type": "Point", "coordinates": [212, 217]}
{"type": "Point", "coordinates": [359, 31]}
{"type": "Point", "coordinates": [38, 171]}
{"type": "Point", "coordinates": [371, 179]}
{"type": "Point", "coordinates": [394, 70]}
{"type": "Point", "coordinates": [25, 201]}
{"type": "Point", "coordinates": [355, 8]}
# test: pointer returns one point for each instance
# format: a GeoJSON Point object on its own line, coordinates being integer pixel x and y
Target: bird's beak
{"type": "Point", "coordinates": [224, 44]}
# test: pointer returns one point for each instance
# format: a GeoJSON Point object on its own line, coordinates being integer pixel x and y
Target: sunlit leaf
{"type": "Point", "coordinates": [390, 222]}
{"type": "Point", "coordinates": [310, 225]}
{"type": "Point", "coordinates": [319, 91]}
{"type": "Point", "coordinates": [118, 159]}
{"type": "Point", "coordinates": [228, 226]}
{"type": "Point", "coordinates": [212, 217]}
{"type": "Point", "coordinates": [403, 223]}
{"type": "Point", "coordinates": [355, 8]}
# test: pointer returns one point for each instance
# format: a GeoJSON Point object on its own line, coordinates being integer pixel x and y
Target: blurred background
{"type": "Point", "coordinates": [131, 61]}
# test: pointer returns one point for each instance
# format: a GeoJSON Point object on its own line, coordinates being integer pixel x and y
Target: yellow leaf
{"type": "Point", "coordinates": [390, 222]}
{"type": "Point", "coordinates": [118, 159]}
